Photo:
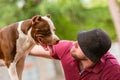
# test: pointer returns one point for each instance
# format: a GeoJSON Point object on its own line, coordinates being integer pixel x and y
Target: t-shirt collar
{"type": "Point", "coordinates": [97, 68]}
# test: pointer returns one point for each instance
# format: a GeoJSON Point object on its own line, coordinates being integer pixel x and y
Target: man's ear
{"type": "Point", "coordinates": [36, 18]}
{"type": "Point", "coordinates": [48, 15]}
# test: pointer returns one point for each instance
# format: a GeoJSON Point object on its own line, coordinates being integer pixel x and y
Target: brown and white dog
{"type": "Point", "coordinates": [17, 39]}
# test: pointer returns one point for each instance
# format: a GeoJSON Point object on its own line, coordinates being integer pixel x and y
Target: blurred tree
{"type": "Point", "coordinates": [115, 13]}
{"type": "Point", "coordinates": [30, 6]}
{"type": "Point", "coordinates": [16, 10]}
{"type": "Point", "coordinates": [69, 16]}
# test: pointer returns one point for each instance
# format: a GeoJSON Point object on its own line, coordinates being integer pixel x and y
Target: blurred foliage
{"type": "Point", "coordinates": [69, 16]}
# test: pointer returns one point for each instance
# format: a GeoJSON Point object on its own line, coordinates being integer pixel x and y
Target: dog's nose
{"type": "Point", "coordinates": [57, 41]}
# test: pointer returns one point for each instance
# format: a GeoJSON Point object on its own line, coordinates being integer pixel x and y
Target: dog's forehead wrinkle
{"type": "Point", "coordinates": [49, 21]}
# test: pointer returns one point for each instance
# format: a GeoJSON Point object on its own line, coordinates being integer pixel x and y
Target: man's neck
{"type": "Point", "coordinates": [83, 64]}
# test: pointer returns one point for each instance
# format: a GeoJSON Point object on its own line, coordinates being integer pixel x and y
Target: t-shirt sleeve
{"type": "Point", "coordinates": [62, 48]}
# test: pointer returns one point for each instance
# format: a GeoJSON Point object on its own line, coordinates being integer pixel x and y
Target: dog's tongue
{"type": "Point", "coordinates": [50, 48]}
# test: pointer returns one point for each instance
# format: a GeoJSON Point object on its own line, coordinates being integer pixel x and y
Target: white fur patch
{"type": "Point", "coordinates": [24, 42]}
{"type": "Point", "coordinates": [49, 21]}
{"type": "Point", "coordinates": [2, 62]}
{"type": "Point", "coordinates": [12, 71]}
{"type": "Point", "coordinates": [52, 27]}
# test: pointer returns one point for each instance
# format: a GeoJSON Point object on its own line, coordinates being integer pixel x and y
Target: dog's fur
{"type": "Point", "coordinates": [17, 39]}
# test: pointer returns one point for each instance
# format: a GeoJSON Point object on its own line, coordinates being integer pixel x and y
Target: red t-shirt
{"type": "Point", "coordinates": [106, 69]}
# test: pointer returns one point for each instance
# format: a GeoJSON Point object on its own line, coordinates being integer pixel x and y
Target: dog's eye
{"type": "Point", "coordinates": [44, 33]}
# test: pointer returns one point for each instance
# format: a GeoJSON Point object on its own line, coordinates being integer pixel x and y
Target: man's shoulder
{"type": "Point", "coordinates": [110, 68]}
{"type": "Point", "coordinates": [108, 58]}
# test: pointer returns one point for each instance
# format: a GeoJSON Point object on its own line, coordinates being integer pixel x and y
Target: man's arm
{"type": "Point", "coordinates": [38, 51]}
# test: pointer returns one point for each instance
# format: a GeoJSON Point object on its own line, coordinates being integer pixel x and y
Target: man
{"type": "Point", "coordinates": [85, 59]}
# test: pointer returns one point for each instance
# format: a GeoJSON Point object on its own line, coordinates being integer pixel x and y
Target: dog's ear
{"type": "Point", "coordinates": [36, 18]}
{"type": "Point", "coordinates": [48, 15]}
